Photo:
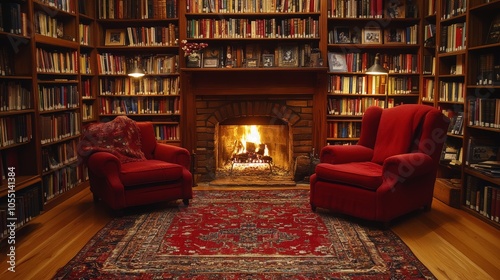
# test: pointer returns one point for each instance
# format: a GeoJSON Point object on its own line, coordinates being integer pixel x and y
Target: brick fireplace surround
{"type": "Point", "coordinates": [213, 97]}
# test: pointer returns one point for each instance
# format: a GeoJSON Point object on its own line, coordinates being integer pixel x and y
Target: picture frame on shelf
{"type": "Point", "coordinates": [395, 8]}
{"type": "Point", "coordinates": [252, 63]}
{"type": "Point", "coordinates": [394, 36]}
{"type": "Point", "coordinates": [210, 62]}
{"type": "Point", "coordinates": [342, 35]}
{"type": "Point", "coordinates": [115, 37]}
{"type": "Point", "coordinates": [289, 56]}
{"type": "Point", "coordinates": [371, 35]}
{"type": "Point", "coordinates": [253, 51]}
{"type": "Point", "coordinates": [337, 62]}
{"type": "Point", "coordinates": [212, 57]}
{"type": "Point", "coordinates": [268, 60]}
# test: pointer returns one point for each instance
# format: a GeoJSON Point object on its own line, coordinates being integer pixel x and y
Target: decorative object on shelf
{"type": "Point", "coordinates": [192, 51]}
{"type": "Point", "coordinates": [337, 62]}
{"type": "Point", "coordinates": [395, 8]}
{"type": "Point", "coordinates": [494, 32]}
{"type": "Point", "coordinates": [115, 37]}
{"type": "Point", "coordinates": [268, 60]}
{"type": "Point", "coordinates": [376, 68]}
{"type": "Point", "coordinates": [371, 36]}
{"type": "Point", "coordinates": [288, 56]}
{"type": "Point", "coordinates": [342, 35]}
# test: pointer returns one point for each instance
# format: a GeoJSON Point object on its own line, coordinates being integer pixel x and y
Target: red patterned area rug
{"type": "Point", "coordinates": [261, 234]}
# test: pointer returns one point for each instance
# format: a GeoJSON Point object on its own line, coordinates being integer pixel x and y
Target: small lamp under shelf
{"type": "Point", "coordinates": [376, 68]}
{"type": "Point", "coordinates": [136, 71]}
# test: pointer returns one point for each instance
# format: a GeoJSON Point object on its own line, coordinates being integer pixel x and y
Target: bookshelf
{"type": "Point", "coordinates": [481, 188]}
{"type": "Point", "coordinates": [56, 62]}
{"type": "Point", "coordinates": [450, 82]}
{"type": "Point", "coordinates": [147, 37]}
{"type": "Point", "coordinates": [355, 35]}
{"type": "Point", "coordinates": [20, 188]}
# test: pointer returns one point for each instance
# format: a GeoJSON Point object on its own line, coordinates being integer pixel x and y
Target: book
{"type": "Point", "coordinates": [458, 127]}
{"type": "Point", "coordinates": [489, 164]}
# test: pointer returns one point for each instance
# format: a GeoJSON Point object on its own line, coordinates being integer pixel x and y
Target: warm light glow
{"type": "Point", "coordinates": [251, 135]}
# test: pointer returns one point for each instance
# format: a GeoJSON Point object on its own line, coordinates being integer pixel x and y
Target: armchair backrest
{"type": "Point", "coordinates": [148, 139]}
{"type": "Point", "coordinates": [403, 129]}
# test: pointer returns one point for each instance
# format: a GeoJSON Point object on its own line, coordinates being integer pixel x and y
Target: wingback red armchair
{"type": "Point", "coordinates": [392, 169]}
{"type": "Point", "coordinates": [128, 167]}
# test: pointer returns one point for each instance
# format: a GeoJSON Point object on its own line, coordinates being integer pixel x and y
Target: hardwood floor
{"type": "Point", "coordinates": [450, 242]}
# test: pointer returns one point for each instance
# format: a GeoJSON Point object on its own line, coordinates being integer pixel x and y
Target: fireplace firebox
{"type": "Point", "coordinates": [252, 148]}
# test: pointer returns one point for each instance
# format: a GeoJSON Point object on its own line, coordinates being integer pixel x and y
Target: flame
{"type": "Point", "coordinates": [251, 135]}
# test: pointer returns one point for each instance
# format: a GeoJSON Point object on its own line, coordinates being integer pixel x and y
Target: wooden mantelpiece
{"type": "Point", "coordinates": [240, 84]}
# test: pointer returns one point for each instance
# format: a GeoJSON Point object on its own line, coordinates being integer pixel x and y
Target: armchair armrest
{"type": "Point", "coordinates": [407, 166]}
{"type": "Point", "coordinates": [173, 154]}
{"type": "Point", "coordinates": [103, 164]}
{"type": "Point", "coordinates": [335, 154]}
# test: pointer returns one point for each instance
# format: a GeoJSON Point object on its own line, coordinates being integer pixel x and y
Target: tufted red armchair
{"type": "Point", "coordinates": [390, 171]}
{"type": "Point", "coordinates": [143, 171]}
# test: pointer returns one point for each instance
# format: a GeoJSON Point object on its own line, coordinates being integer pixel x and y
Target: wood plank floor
{"type": "Point", "coordinates": [450, 242]}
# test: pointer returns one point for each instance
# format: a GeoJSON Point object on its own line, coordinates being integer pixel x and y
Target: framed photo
{"type": "Point", "coordinates": [289, 56]}
{"type": "Point", "coordinates": [342, 35]}
{"type": "Point", "coordinates": [337, 62]}
{"type": "Point", "coordinates": [252, 62]}
{"type": "Point", "coordinates": [395, 8]}
{"type": "Point", "coordinates": [494, 32]}
{"type": "Point", "coordinates": [210, 62]}
{"type": "Point", "coordinates": [268, 60]}
{"type": "Point", "coordinates": [394, 36]}
{"type": "Point", "coordinates": [212, 52]}
{"type": "Point", "coordinates": [371, 36]}
{"type": "Point", "coordinates": [115, 37]}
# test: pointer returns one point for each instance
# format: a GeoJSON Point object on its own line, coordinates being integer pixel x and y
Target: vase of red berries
{"type": "Point", "coordinates": [192, 52]}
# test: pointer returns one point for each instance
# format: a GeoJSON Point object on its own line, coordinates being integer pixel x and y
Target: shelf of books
{"type": "Point", "coordinates": [87, 62]}
{"type": "Point", "coordinates": [251, 34]}
{"type": "Point", "coordinates": [356, 35]}
{"type": "Point", "coordinates": [147, 39]}
{"type": "Point", "coordinates": [481, 178]}
{"type": "Point", "coordinates": [57, 61]}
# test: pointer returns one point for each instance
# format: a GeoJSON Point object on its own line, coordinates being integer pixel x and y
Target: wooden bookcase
{"type": "Point", "coordinates": [148, 39]}
{"type": "Point", "coordinates": [464, 82]}
{"type": "Point", "coordinates": [57, 88]}
{"type": "Point", "coordinates": [482, 95]}
{"type": "Point", "coordinates": [450, 82]}
{"type": "Point", "coordinates": [20, 188]}
{"type": "Point", "coordinates": [355, 35]}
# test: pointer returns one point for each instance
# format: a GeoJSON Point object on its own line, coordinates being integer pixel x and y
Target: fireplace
{"type": "Point", "coordinates": [289, 116]}
{"type": "Point", "coordinates": [256, 147]}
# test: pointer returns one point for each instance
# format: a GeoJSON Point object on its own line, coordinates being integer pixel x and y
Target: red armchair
{"type": "Point", "coordinates": [127, 167]}
{"type": "Point", "coordinates": [390, 171]}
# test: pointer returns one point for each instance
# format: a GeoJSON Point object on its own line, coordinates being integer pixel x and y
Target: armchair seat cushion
{"type": "Point", "coordinates": [367, 175]}
{"type": "Point", "coordinates": [149, 172]}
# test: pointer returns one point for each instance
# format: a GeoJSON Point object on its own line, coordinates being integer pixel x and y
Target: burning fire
{"type": "Point", "coordinates": [250, 142]}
